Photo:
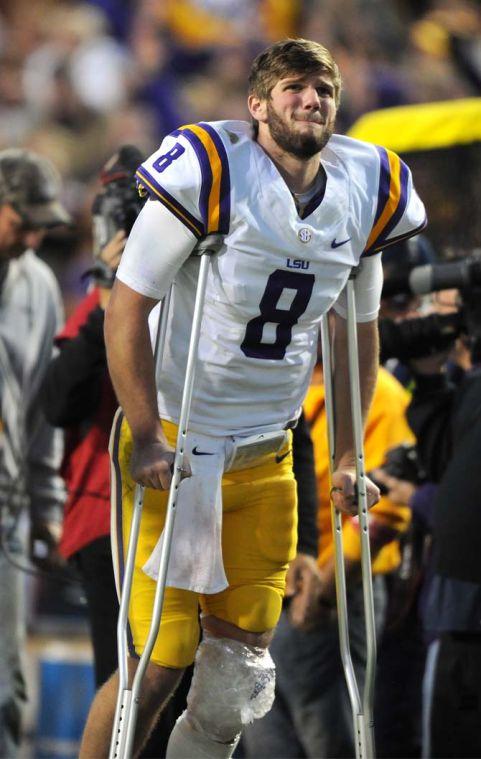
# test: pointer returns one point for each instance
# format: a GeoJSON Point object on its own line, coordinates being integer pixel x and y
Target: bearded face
{"type": "Point", "coordinates": [303, 135]}
{"type": "Point", "coordinates": [299, 113]}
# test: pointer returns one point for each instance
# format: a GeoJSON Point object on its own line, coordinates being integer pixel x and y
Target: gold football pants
{"type": "Point", "coordinates": [259, 536]}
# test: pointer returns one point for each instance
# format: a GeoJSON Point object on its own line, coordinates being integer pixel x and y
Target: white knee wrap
{"type": "Point", "coordinates": [233, 684]}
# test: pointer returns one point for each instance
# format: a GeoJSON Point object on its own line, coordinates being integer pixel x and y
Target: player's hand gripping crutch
{"type": "Point", "coordinates": [362, 705]}
{"type": "Point", "coordinates": [128, 698]}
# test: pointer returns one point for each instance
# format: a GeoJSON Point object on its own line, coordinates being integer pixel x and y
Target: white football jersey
{"type": "Point", "coordinates": [276, 273]}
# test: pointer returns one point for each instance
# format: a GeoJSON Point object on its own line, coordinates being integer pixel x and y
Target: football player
{"type": "Point", "coordinates": [298, 207]}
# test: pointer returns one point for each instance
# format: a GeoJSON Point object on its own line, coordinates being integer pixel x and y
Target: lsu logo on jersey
{"type": "Point", "coordinates": [297, 263]}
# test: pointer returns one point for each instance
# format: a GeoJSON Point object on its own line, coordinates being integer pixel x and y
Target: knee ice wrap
{"type": "Point", "coordinates": [233, 684]}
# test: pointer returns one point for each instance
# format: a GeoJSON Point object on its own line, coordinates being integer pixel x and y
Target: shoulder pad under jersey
{"type": "Point", "coordinates": [397, 210]}
{"type": "Point", "coordinates": [190, 175]}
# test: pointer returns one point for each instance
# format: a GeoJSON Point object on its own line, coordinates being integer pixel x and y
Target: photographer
{"type": "Point", "coordinates": [77, 395]}
{"type": "Point", "coordinates": [445, 415]}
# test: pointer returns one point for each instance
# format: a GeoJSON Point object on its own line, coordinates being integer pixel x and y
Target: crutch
{"type": "Point", "coordinates": [123, 696]}
{"type": "Point", "coordinates": [128, 699]}
{"type": "Point", "coordinates": [362, 706]}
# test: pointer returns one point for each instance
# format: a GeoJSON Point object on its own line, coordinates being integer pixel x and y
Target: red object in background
{"type": "Point", "coordinates": [86, 465]}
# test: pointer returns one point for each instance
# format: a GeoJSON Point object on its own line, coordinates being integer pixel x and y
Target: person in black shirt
{"type": "Point", "coordinates": [446, 418]}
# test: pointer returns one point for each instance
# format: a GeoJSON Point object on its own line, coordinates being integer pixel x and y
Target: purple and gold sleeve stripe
{"type": "Point", "coordinates": [398, 238]}
{"type": "Point", "coordinates": [215, 188]}
{"type": "Point", "coordinates": [156, 191]}
{"type": "Point", "coordinates": [391, 199]}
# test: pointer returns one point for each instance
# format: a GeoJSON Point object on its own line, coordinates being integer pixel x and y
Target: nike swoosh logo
{"type": "Point", "coordinates": [200, 453]}
{"type": "Point", "coordinates": [335, 244]}
{"type": "Point", "coordinates": [281, 458]}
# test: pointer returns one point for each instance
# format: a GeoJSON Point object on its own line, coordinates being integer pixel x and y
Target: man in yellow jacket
{"type": "Point", "coordinates": [386, 428]}
{"type": "Point", "coordinates": [311, 715]}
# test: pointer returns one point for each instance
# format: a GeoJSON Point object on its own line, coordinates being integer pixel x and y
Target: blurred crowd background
{"type": "Point", "coordinates": [78, 79]}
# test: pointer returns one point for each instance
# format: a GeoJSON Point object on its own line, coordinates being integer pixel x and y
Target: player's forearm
{"type": "Point", "coordinates": [368, 346]}
{"type": "Point", "coordinates": [131, 362]}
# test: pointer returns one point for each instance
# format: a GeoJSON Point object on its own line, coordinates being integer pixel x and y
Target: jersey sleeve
{"type": "Point", "coordinates": [157, 247]}
{"type": "Point", "coordinates": [189, 175]}
{"type": "Point", "coordinates": [400, 212]}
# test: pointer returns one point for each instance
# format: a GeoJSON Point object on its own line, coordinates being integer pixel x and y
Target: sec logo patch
{"type": "Point", "coordinates": [304, 234]}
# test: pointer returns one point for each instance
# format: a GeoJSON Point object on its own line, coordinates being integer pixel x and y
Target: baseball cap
{"type": "Point", "coordinates": [31, 185]}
